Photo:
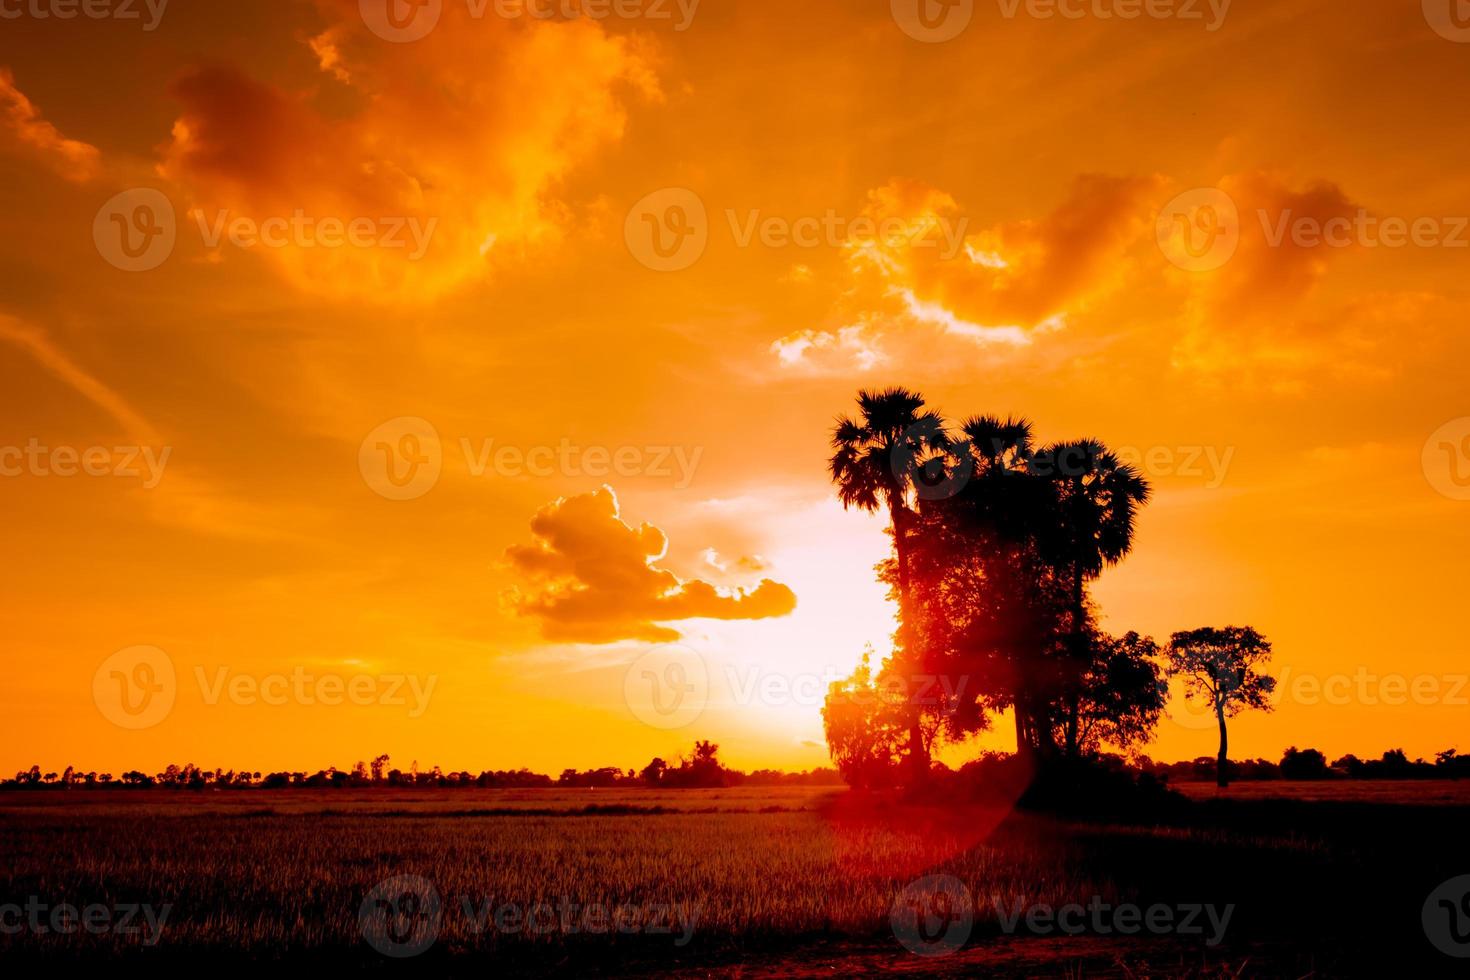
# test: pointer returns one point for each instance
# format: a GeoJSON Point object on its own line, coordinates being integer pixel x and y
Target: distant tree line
{"type": "Point", "coordinates": [1310, 764]}
{"type": "Point", "coordinates": [700, 769]}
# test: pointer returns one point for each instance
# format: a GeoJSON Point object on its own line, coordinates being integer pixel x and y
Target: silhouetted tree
{"type": "Point", "coordinates": [1097, 499]}
{"type": "Point", "coordinates": [876, 461]}
{"type": "Point", "coordinates": [1120, 694]}
{"type": "Point", "coordinates": [1303, 764]}
{"type": "Point", "coordinates": [999, 571]}
{"type": "Point", "coordinates": [865, 728]}
{"type": "Point", "coordinates": [985, 604]}
{"type": "Point", "coordinates": [700, 770]}
{"type": "Point", "coordinates": [1222, 668]}
{"type": "Point", "coordinates": [653, 772]}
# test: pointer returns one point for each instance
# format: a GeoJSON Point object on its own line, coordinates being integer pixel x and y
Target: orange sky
{"type": "Point", "coordinates": [841, 204]}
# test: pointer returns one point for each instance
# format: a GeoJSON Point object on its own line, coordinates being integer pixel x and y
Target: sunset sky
{"type": "Point", "coordinates": [684, 243]}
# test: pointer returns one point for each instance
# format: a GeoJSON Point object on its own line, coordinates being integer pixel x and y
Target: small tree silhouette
{"type": "Point", "coordinates": [865, 727]}
{"type": "Point", "coordinates": [1221, 668]}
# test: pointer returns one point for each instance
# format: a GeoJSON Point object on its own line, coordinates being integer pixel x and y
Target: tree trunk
{"type": "Point", "coordinates": [1222, 776]}
{"type": "Point", "coordinates": [1079, 656]}
{"type": "Point", "coordinates": [918, 751]}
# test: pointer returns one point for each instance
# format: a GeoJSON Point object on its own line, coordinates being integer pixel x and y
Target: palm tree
{"type": "Point", "coordinates": [1097, 499]}
{"type": "Point", "coordinates": [878, 461]}
{"type": "Point", "coordinates": [1003, 496]}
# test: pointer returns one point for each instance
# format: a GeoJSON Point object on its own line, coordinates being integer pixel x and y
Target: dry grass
{"type": "Point", "coordinates": [1420, 792]}
{"type": "Point", "coordinates": [265, 882]}
{"type": "Point", "coordinates": [781, 882]}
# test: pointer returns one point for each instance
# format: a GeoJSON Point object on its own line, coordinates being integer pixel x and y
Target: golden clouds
{"type": "Point", "coordinates": [1030, 271]}
{"type": "Point", "coordinates": [72, 159]}
{"type": "Point", "coordinates": [933, 287]}
{"type": "Point", "coordinates": [594, 578]}
{"type": "Point", "coordinates": [462, 136]}
{"type": "Point", "coordinates": [927, 272]}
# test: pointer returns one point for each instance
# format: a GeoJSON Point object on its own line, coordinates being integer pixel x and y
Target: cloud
{"type": "Point", "coordinates": [466, 132]}
{"type": "Point", "coordinates": [72, 159]}
{"type": "Point", "coordinates": [1273, 268]}
{"type": "Point", "coordinates": [594, 579]}
{"type": "Point", "coordinates": [1252, 309]}
{"type": "Point", "coordinates": [1029, 272]}
{"type": "Point", "coordinates": [925, 280]}
{"type": "Point", "coordinates": [745, 563]}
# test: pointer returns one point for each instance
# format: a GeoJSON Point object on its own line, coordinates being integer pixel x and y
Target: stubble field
{"type": "Point", "coordinates": [748, 882]}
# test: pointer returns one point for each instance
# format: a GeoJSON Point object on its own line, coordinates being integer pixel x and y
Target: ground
{"type": "Point", "coordinates": [1318, 879]}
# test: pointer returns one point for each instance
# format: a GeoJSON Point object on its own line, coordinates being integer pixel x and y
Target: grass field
{"type": "Point", "coordinates": [724, 882]}
{"type": "Point", "coordinates": [1417, 792]}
